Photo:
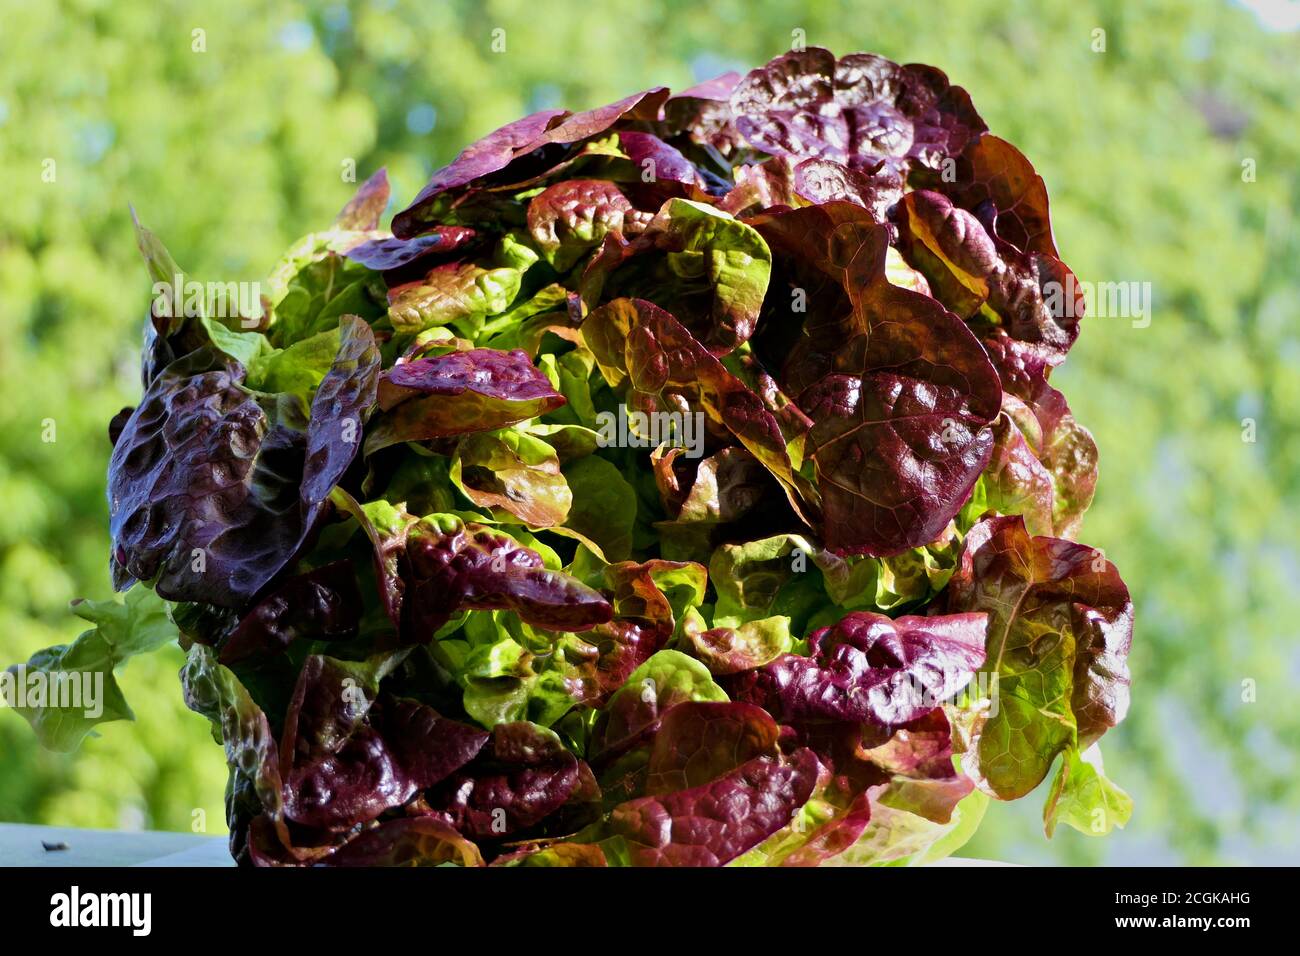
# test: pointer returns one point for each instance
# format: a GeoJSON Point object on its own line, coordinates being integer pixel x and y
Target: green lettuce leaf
{"type": "Point", "coordinates": [64, 692]}
{"type": "Point", "coordinates": [1083, 797]}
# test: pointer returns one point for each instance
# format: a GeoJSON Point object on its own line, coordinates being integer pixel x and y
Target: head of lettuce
{"type": "Point", "coordinates": [678, 482]}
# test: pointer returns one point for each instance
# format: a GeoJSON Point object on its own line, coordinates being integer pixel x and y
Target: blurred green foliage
{"type": "Point", "coordinates": [233, 141]}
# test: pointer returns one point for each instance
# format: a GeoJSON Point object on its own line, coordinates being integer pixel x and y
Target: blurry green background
{"type": "Point", "coordinates": [231, 152]}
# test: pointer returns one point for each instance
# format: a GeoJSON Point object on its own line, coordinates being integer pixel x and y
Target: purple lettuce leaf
{"type": "Point", "coordinates": [330, 702]}
{"type": "Point", "coordinates": [699, 741]}
{"type": "Point", "coordinates": [427, 746]}
{"type": "Point", "coordinates": [759, 187]}
{"type": "Point", "coordinates": [839, 809]}
{"type": "Point", "coordinates": [516, 143]}
{"type": "Point", "coordinates": [408, 841]}
{"type": "Point", "coordinates": [450, 565]}
{"type": "Point", "coordinates": [386, 255]}
{"type": "Point", "coordinates": [824, 180]}
{"type": "Point", "coordinates": [445, 395]}
{"type": "Point", "coordinates": [900, 392]}
{"type": "Point", "coordinates": [908, 780]}
{"type": "Point", "coordinates": [569, 219]}
{"type": "Point", "coordinates": [347, 756]}
{"type": "Point", "coordinates": [323, 604]}
{"type": "Point", "coordinates": [871, 669]}
{"type": "Point", "coordinates": [625, 730]}
{"type": "Point", "coordinates": [702, 113]}
{"type": "Point", "coordinates": [1035, 296]}
{"type": "Point", "coordinates": [354, 784]}
{"type": "Point", "coordinates": [658, 162]}
{"type": "Point", "coordinates": [859, 110]}
{"type": "Point", "coordinates": [993, 175]}
{"type": "Point", "coordinates": [712, 824]}
{"type": "Point", "coordinates": [341, 406]}
{"type": "Point", "coordinates": [879, 787]}
{"type": "Point", "coordinates": [364, 210]}
{"type": "Point", "coordinates": [663, 681]}
{"type": "Point", "coordinates": [524, 776]}
{"type": "Point", "coordinates": [785, 182]}
{"type": "Point", "coordinates": [481, 158]}
{"type": "Point", "coordinates": [208, 499]}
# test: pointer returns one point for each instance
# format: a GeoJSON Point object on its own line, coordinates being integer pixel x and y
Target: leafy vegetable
{"type": "Point", "coordinates": [649, 496]}
{"type": "Point", "coordinates": [1060, 625]}
{"type": "Point", "coordinates": [65, 691]}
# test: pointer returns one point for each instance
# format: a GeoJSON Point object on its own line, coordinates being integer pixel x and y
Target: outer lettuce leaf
{"type": "Point", "coordinates": [858, 110]}
{"type": "Point", "coordinates": [1084, 798]}
{"type": "Point", "coordinates": [838, 810]}
{"type": "Point", "coordinates": [363, 211]}
{"type": "Point", "coordinates": [1016, 482]}
{"type": "Point", "coordinates": [703, 114]}
{"type": "Point", "coordinates": [1060, 624]}
{"type": "Point", "coordinates": [884, 796]}
{"type": "Point", "coordinates": [208, 500]}
{"type": "Point", "coordinates": [823, 180]}
{"type": "Point", "coordinates": [510, 149]}
{"type": "Point", "coordinates": [899, 838]}
{"type": "Point", "coordinates": [658, 162]}
{"type": "Point", "coordinates": [993, 173]}
{"type": "Point", "coordinates": [80, 674]}
{"type": "Point", "coordinates": [974, 273]}
{"type": "Point", "coordinates": [256, 788]}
